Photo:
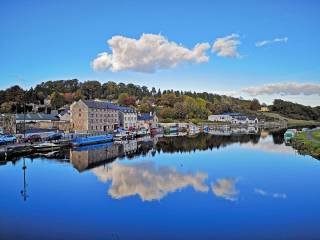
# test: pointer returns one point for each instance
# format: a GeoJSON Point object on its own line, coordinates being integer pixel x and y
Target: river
{"type": "Point", "coordinates": [249, 186]}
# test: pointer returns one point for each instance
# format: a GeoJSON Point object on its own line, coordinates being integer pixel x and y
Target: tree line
{"type": "Point", "coordinates": [168, 104]}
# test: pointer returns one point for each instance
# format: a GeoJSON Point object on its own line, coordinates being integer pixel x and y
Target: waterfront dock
{"type": "Point", "coordinates": [15, 150]}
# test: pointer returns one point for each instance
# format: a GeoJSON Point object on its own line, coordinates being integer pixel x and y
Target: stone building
{"type": "Point", "coordinates": [7, 124]}
{"type": "Point", "coordinates": [127, 117]}
{"type": "Point", "coordinates": [94, 116]}
{"type": "Point", "coordinates": [147, 120]}
{"type": "Point", "coordinates": [37, 120]}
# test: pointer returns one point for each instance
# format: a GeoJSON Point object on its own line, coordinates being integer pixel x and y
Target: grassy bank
{"type": "Point", "coordinates": [307, 145]}
{"type": "Point", "coordinates": [291, 122]}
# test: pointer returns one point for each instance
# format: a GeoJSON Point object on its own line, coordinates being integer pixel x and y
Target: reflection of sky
{"type": "Point", "coordinates": [147, 180]}
{"type": "Point", "coordinates": [198, 192]}
{"type": "Point", "coordinates": [267, 145]}
{"type": "Point", "coordinates": [225, 188]}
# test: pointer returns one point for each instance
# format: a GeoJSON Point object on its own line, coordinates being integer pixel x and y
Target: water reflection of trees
{"type": "Point", "coordinates": [88, 157]}
{"type": "Point", "coordinates": [202, 142]}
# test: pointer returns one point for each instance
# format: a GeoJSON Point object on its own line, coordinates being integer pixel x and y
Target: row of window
{"type": "Point", "coordinates": [101, 128]}
{"type": "Point", "coordinates": [130, 118]}
{"type": "Point", "coordinates": [103, 120]}
{"type": "Point", "coordinates": [103, 115]}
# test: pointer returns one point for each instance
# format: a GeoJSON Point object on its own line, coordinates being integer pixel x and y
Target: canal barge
{"type": "Point", "coordinates": [89, 140]}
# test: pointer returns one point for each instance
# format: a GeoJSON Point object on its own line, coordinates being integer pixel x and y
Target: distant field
{"type": "Point", "coordinates": [316, 135]}
{"type": "Point", "coordinates": [290, 121]}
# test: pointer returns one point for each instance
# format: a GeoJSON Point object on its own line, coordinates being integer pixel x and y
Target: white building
{"type": "Point", "coordinates": [235, 118]}
{"type": "Point", "coordinates": [127, 117]}
{"type": "Point", "coordinates": [147, 120]}
{"type": "Point", "coordinates": [225, 117]}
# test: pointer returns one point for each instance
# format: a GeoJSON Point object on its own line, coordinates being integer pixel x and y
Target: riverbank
{"type": "Point", "coordinates": [308, 143]}
{"type": "Point", "coordinates": [290, 121]}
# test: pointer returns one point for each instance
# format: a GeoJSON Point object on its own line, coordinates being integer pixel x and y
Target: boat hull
{"type": "Point", "coordinates": [83, 141]}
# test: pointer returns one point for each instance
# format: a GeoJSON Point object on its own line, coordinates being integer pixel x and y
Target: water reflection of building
{"type": "Point", "coordinates": [83, 158]}
{"type": "Point", "coordinates": [87, 157]}
{"type": "Point", "coordinates": [225, 130]}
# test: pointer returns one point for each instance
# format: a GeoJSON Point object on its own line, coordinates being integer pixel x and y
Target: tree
{"type": "Point", "coordinates": [126, 100]}
{"type": "Point", "coordinates": [77, 95]}
{"type": "Point", "coordinates": [153, 91]}
{"type": "Point", "coordinates": [167, 113]}
{"type": "Point", "coordinates": [180, 110]}
{"type": "Point", "coordinates": [145, 108]}
{"type": "Point", "coordinates": [91, 89]}
{"type": "Point", "coordinates": [168, 99]}
{"type": "Point", "coordinates": [6, 107]}
{"type": "Point", "coordinates": [255, 105]}
{"type": "Point", "coordinates": [57, 100]}
{"type": "Point", "coordinates": [122, 98]}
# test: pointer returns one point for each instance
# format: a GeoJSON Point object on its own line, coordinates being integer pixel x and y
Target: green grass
{"type": "Point", "coordinates": [290, 122]}
{"type": "Point", "coordinates": [316, 135]}
{"type": "Point", "coordinates": [306, 146]}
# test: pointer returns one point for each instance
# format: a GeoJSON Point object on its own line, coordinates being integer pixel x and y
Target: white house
{"type": "Point", "coordinates": [225, 117]}
{"type": "Point", "coordinates": [252, 120]}
{"type": "Point", "coordinates": [127, 117]}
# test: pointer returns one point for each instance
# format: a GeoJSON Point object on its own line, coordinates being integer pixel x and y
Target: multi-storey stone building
{"type": "Point", "coordinates": [127, 117]}
{"type": "Point", "coordinates": [7, 124]}
{"type": "Point", "coordinates": [94, 115]}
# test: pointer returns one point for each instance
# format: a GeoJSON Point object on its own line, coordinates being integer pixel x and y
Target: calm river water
{"type": "Point", "coordinates": [200, 187]}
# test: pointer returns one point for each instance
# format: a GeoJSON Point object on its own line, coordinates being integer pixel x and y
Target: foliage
{"type": "Point", "coordinates": [57, 100]}
{"type": "Point", "coordinates": [296, 111]}
{"type": "Point", "coordinates": [255, 105]}
{"type": "Point", "coordinates": [169, 104]}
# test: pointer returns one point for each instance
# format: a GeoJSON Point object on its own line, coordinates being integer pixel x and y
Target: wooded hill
{"type": "Point", "coordinates": [168, 104]}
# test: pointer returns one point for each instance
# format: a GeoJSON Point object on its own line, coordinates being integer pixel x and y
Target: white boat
{"type": "Point", "coordinates": [120, 134]}
{"type": "Point", "coordinates": [45, 147]}
{"type": "Point", "coordinates": [142, 132]}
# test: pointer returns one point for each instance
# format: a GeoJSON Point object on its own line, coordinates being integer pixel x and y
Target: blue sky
{"type": "Point", "coordinates": [49, 40]}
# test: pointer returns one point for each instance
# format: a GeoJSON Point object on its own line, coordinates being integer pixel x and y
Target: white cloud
{"type": "Point", "coordinates": [275, 40]}
{"type": "Point", "coordinates": [147, 180]}
{"type": "Point", "coordinates": [264, 193]}
{"type": "Point", "coordinates": [225, 188]}
{"type": "Point", "coordinates": [227, 46]}
{"type": "Point", "coordinates": [147, 54]}
{"type": "Point", "coordinates": [290, 88]}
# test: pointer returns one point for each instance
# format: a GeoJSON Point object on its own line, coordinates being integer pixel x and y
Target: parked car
{"type": "Point", "coordinates": [55, 136]}
{"type": "Point", "coordinates": [33, 138]}
{"type": "Point", "coordinates": [5, 139]}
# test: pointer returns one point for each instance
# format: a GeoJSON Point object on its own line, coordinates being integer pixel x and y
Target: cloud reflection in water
{"type": "Point", "coordinates": [147, 180]}
{"type": "Point", "coordinates": [225, 188]}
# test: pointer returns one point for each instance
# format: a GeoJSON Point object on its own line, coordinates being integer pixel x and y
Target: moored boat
{"type": "Point", "coordinates": [82, 141]}
{"type": "Point", "coordinates": [46, 147]}
{"type": "Point", "coordinates": [289, 135]}
{"type": "Point", "coordinates": [143, 132]}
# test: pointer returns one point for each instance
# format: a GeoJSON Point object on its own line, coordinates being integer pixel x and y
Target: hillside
{"type": "Point", "coordinates": [169, 104]}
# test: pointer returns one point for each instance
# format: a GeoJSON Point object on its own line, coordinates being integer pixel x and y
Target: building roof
{"type": "Point", "coordinates": [252, 117]}
{"type": "Point", "coordinates": [64, 112]}
{"type": "Point", "coordinates": [241, 118]}
{"type": "Point", "coordinates": [37, 117]}
{"type": "Point", "coordinates": [126, 109]}
{"type": "Point", "coordinates": [100, 104]}
{"type": "Point", "coordinates": [231, 114]}
{"type": "Point", "coordinates": [145, 117]}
